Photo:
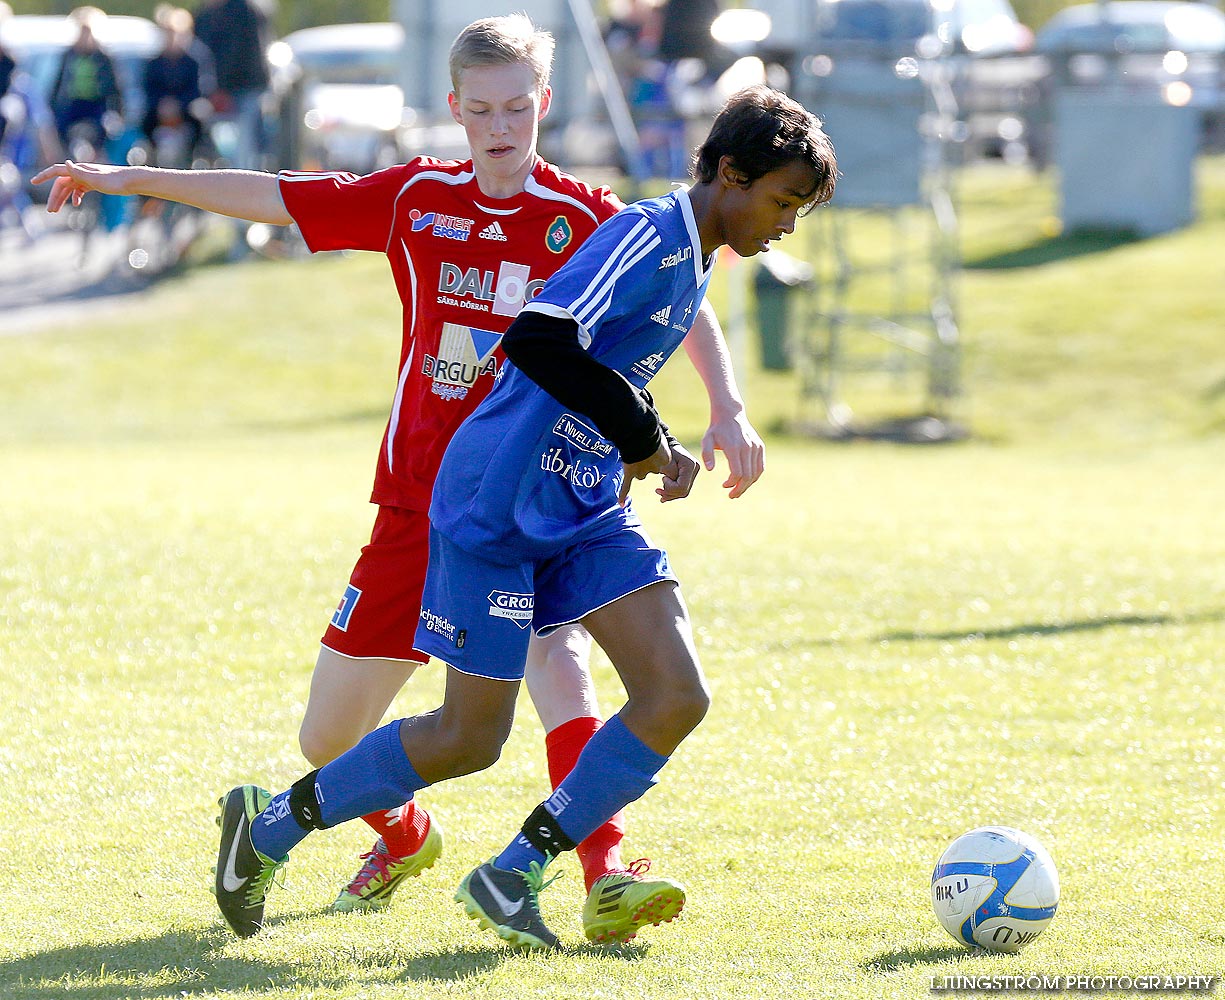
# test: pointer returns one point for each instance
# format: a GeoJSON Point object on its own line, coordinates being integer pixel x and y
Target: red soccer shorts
{"type": "Point", "coordinates": [378, 614]}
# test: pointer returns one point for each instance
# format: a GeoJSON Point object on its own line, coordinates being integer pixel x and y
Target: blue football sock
{"type": "Point", "coordinates": [614, 769]}
{"type": "Point", "coordinates": [375, 774]}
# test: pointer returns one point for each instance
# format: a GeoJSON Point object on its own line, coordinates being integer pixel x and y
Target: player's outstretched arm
{"type": "Point", "coordinates": [730, 431]}
{"type": "Point", "coordinates": [242, 194]}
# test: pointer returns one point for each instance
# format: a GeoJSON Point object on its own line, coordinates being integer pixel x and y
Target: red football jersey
{"type": "Point", "coordinates": [463, 264]}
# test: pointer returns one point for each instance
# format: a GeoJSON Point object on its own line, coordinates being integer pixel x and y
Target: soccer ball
{"type": "Point", "coordinates": [995, 888]}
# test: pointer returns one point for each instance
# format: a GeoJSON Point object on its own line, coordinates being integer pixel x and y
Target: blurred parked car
{"type": "Point", "coordinates": [1127, 27]}
{"type": "Point", "coordinates": [1170, 50]}
{"type": "Point", "coordinates": [984, 42]}
{"type": "Point", "coordinates": [975, 27]}
{"type": "Point", "coordinates": [343, 101]}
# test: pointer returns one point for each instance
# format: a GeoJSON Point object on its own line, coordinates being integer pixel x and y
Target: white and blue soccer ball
{"type": "Point", "coordinates": [995, 888]}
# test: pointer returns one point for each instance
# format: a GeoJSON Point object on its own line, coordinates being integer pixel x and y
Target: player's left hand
{"type": "Point", "coordinates": [678, 476]}
{"type": "Point", "coordinates": [741, 446]}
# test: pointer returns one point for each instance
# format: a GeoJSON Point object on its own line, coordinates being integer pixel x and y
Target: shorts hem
{"type": "Point", "coordinates": [544, 631]}
{"type": "Point", "coordinates": [419, 657]}
{"type": "Point", "coordinates": [476, 673]}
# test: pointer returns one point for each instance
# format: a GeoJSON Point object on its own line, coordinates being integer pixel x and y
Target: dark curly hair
{"type": "Point", "coordinates": [762, 129]}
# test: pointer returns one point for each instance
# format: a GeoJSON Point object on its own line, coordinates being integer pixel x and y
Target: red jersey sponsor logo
{"type": "Point", "coordinates": [450, 227]}
{"type": "Point", "coordinates": [474, 288]}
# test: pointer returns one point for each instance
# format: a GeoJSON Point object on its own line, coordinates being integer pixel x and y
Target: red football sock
{"type": "Point", "coordinates": [403, 830]}
{"type": "Point", "coordinates": [600, 853]}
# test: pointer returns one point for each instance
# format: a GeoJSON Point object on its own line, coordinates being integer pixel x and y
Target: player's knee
{"type": "Point", "coordinates": [681, 707]}
{"type": "Point", "coordinates": [559, 664]}
{"type": "Point", "coordinates": [320, 745]}
{"type": "Point", "coordinates": [695, 703]}
{"type": "Point", "coordinates": [461, 753]}
{"type": "Point", "coordinates": [313, 745]}
{"type": "Point", "coordinates": [472, 757]}
{"type": "Point", "coordinates": [561, 659]}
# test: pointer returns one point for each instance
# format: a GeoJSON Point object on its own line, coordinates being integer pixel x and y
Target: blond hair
{"type": "Point", "coordinates": [503, 41]}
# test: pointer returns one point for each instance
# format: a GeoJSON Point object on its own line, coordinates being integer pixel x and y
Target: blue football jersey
{"type": "Point", "coordinates": [523, 475]}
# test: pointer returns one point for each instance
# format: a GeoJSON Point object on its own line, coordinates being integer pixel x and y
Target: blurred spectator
{"type": "Point", "coordinates": [633, 36]}
{"type": "Point", "coordinates": [686, 34]}
{"type": "Point", "coordinates": [175, 82]}
{"type": "Point", "coordinates": [8, 66]}
{"type": "Point", "coordinates": [86, 90]}
{"type": "Point", "coordinates": [236, 32]}
{"type": "Point", "coordinates": [27, 140]}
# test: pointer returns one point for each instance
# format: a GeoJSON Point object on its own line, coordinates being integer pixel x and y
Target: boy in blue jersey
{"type": "Point", "coordinates": [532, 529]}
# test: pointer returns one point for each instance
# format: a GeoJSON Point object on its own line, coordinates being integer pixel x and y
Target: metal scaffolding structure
{"type": "Point", "coordinates": [878, 351]}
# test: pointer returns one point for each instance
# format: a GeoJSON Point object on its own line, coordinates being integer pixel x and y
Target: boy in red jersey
{"type": "Point", "coordinates": [469, 243]}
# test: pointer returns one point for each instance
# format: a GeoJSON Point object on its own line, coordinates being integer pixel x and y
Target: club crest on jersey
{"type": "Point", "coordinates": [450, 227]}
{"type": "Point", "coordinates": [560, 234]}
{"type": "Point", "coordinates": [517, 608]}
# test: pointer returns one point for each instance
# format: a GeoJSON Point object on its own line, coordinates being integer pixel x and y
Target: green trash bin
{"type": "Point", "coordinates": [779, 276]}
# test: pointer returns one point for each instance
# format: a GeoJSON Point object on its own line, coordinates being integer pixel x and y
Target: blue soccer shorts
{"type": "Point", "coordinates": [478, 616]}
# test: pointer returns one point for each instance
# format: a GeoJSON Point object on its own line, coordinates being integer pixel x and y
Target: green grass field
{"type": "Point", "coordinates": [903, 643]}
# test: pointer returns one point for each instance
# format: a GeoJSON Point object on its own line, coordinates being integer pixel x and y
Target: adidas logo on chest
{"type": "Point", "coordinates": [493, 231]}
{"type": "Point", "coordinates": [661, 317]}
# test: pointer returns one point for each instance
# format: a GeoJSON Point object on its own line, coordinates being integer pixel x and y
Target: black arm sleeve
{"type": "Point", "coordinates": [547, 350]}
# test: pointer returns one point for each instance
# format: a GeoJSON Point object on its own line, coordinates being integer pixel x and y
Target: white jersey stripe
{"type": "Point", "coordinates": [432, 175]}
{"type": "Point", "coordinates": [597, 315]}
{"type": "Point", "coordinates": [589, 314]}
{"type": "Point", "coordinates": [598, 305]}
{"type": "Point", "coordinates": [533, 186]}
{"type": "Point", "coordinates": [394, 422]}
{"type": "Point", "coordinates": [496, 211]}
{"type": "Point", "coordinates": [627, 243]}
{"type": "Point", "coordinates": [293, 176]}
{"type": "Point", "coordinates": [624, 259]}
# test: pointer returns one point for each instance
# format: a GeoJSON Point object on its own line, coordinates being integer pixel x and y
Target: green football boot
{"type": "Point", "coordinates": [622, 903]}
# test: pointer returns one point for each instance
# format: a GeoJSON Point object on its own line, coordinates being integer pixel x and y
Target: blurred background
{"type": "Point", "coordinates": [1092, 121]}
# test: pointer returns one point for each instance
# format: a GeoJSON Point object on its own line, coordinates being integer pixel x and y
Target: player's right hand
{"type": "Point", "coordinates": [73, 180]}
{"type": "Point", "coordinates": [652, 466]}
